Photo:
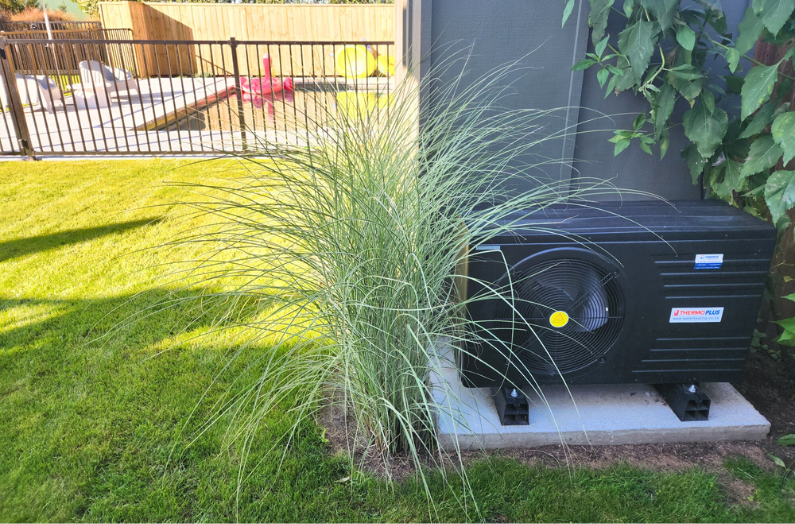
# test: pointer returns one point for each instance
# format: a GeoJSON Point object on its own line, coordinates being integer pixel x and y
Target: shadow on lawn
{"type": "Point", "coordinates": [134, 321]}
{"type": "Point", "coordinates": [27, 246]}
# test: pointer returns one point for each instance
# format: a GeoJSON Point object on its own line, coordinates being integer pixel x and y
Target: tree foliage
{"type": "Point", "coordinates": [17, 6]}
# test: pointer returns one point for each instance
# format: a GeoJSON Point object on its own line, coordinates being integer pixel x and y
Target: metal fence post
{"type": "Point", "coordinates": [17, 112]}
{"type": "Point", "coordinates": [240, 116]}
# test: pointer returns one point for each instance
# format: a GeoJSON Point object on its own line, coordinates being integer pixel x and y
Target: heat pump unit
{"type": "Point", "coordinates": [646, 292]}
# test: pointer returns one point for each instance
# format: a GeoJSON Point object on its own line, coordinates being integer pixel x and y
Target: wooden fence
{"type": "Point", "coordinates": [259, 22]}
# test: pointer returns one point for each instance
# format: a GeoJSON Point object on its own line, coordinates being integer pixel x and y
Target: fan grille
{"type": "Point", "coordinates": [588, 294]}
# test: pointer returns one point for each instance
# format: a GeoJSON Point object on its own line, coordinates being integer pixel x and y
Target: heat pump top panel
{"type": "Point", "coordinates": [645, 292]}
{"type": "Point", "coordinates": [690, 218]}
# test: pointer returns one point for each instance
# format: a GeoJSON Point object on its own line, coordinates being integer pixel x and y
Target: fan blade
{"type": "Point", "coordinates": [590, 310]}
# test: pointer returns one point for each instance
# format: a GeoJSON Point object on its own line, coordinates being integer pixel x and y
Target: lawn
{"type": "Point", "coordinates": [101, 403]}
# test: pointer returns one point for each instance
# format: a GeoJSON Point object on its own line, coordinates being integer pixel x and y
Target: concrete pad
{"type": "Point", "coordinates": [587, 415]}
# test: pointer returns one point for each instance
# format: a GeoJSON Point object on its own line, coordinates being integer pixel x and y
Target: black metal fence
{"type": "Point", "coordinates": [30, 63]}
{"type": "Point", "coordinates": [55, 26]}
{"type": "Point", "coordinates": [70, 34]}
{"type": "Point", "coordinates": [119, 96]}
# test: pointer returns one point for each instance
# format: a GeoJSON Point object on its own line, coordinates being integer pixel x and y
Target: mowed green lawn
{"type": "Point", "coordinates": [101, 403]}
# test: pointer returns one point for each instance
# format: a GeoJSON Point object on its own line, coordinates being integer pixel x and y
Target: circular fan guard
{"type": "Point", "coordinates": [587, 293]}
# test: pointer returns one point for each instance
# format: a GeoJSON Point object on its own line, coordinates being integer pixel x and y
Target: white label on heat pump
{"type": "Point", "coordinates": [713, 261]}
{"type": "Point", "coordinates": [685, 315]}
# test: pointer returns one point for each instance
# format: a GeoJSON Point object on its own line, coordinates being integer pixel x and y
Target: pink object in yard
{"type": "Point", "coordinates": [266, 84]}
{"type": "Point", "coordinates": [266, 65]}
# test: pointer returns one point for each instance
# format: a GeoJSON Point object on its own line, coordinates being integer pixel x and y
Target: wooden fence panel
{"type": "Point", "coordinates": [282, 23]}
{"type": "Point", "coordinates": [188, 21]}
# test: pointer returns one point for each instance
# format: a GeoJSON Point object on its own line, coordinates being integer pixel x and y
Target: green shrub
{"type": "Point", "coordinates": [352, 248]}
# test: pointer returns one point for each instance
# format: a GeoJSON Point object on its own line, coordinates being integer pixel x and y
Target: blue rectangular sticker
{"type": "Point", "coordinates": [713, 261]}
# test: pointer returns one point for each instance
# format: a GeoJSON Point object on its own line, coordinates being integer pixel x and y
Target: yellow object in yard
{"type": "Point", "coordinates": [355, 61]}
{"type": "Point", "coordinates": [386, 65]}
{"type": "Point", "coordinates": [353, 103]}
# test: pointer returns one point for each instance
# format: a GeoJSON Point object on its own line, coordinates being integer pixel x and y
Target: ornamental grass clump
{"type": "Point", "coordinates": [353, 247]}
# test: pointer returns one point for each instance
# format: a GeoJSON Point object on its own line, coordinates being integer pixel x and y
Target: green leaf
{"type": "Point", "coordinates": [777, 461]}
{"type": "Point", "coordinates": [716, 18]}
{"type": "Point", "coordinates": [732, 58]}
{"type": "Point", "coordinates": [695, 162]}
{"type": "Point", "coordinates": [688, 80]}
{"type": "Point", "coordinates": [663, 10]}
{"type": "Point", "coordinates": [626, 80]}
{"type": "Point", "coordinates": [761, 120]}
{"type": "Point", "coordinates": [708, 99]}
{"type": "Point", "coordinates": [750, 30]}
{"type": "Point", "coordinates": [786, 440]}
{"type": "Point", "coordinates": [732, 180]}
{"type": "Point", "coordinates": [601, 76]}
{"type": "Point", "coordinates": [611, 85]}
{"type": "Point", "coordinates": [585, 63]}
{"type": "Point", "coordinates": [686, 72]}
{"type": "Point", "coordinates": [764, 153]}
{"type": "Point", "coordinates": [600, 47]}
{"type": "Point", "coordinates": [780, 194]}
{"type": "Point", "coordinates": [692, 16]}
{"type": "Point", "coordinates": [600, 9]}
{"type": "Point", "coordinates": [704, 129]}
{"type": "Point", "coordinates": [645, 147]}
{"type": "Point", "coordinates": [773, 13]}
{"type": "Point", "coordinates": [665, 141]}
{"type": "Point", "coordinates": [783, 130]}
{"type": "Point", "coordinates": [717, 89]}
{"type": "Point", "coordinates": [790, 297]}
{"type": "Point", "coordinates": [629, 7]}
{"type": "Point", "coordinates": [567, 11]}
{"type": "Point", "coordinates": [666, 99]}
{"type": "Point", "coordinates": [786, 339]}
{"type": "Point", "coordinates": [758, 87]}
{"type": "Point", "coordinates": [637, 42]}
{"type": "Point", "coordinates": [788, 324]}
{"type": "Point", "coordinates": [734, 84]}
{"type": "Point", "coordinates": [620, 146]}
{"type": "Point", "coordinates": [639, 121]}
{"type": "Point", "coordinates": [686, 37]}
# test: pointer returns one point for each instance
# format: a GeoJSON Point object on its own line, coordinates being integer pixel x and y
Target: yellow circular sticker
{"type": "Point", "coordinates": [559, 319]}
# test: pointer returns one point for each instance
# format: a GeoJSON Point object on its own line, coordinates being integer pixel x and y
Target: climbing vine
{"type": "Point", "coordinates": [662, 53]}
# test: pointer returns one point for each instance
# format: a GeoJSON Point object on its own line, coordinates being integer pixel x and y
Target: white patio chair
{"type": "Point", "coordinates": [96, 77]}
{"type": "Point", "coordinates": [48, 92]}
{"type": "Point", "coordinates": [33, 89]}
{"type": "Point", "coordinates": [24, 89]}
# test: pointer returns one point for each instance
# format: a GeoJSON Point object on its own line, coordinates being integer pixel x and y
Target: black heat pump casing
{"type": "Point", "coordinates": [640, 258]}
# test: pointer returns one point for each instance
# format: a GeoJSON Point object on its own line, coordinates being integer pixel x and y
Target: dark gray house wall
{"type": "Point", "coordinates": [529, 33]}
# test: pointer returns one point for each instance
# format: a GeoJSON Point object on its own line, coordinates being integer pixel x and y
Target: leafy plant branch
{"type": "Point", "coordinates": [744, 159]}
